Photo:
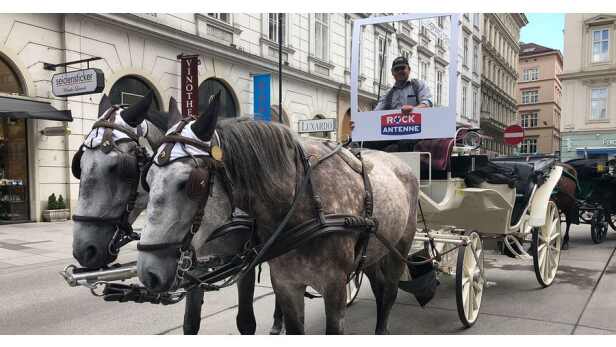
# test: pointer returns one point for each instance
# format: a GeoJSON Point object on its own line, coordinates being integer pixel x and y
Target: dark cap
{"type": "Point", "coordinates": [400, 61]}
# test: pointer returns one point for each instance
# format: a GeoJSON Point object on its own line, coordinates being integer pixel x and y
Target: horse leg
{"type": "Point", "coordinates": [245, 320]}
{"type": "Point", "coordinates": [290, 299]}
{"type": "Point", "coordinates": [277, 326]}
{"type": "Point", "coordinates": [192, 312]}
{"type": "Point", "coordinates": [565, 244]}
{"type": "Point", "coordinates": [334, 298]}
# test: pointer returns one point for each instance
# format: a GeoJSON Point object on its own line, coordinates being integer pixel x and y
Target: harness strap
{"type": "Point", "coordinates": [188, 141]}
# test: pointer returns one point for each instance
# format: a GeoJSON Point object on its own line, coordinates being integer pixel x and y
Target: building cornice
{"type": "Point", "coordinates": [193, 43]}
{"type": "Point", "coordinates": [588, 74]}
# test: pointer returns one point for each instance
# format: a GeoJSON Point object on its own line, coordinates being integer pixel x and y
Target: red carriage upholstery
{"type": "Point", "coordinates": [440, 150]}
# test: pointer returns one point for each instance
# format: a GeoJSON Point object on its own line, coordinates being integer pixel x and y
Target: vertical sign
{"type": "Point", "coordinates": [262, 108]}
{"type": "Point", "coordinates": [190, 85]}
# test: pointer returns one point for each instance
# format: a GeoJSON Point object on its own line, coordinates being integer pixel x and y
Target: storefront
{"type": "Point", "coordinates": [596, 144]}
{"type": "Point", "coordinates": [16, 112]}
{"type": "Point", "coordinates": [128, 90]}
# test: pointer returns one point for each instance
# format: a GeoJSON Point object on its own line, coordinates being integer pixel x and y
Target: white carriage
{"type": "Point", "coordinates": [458, 215]}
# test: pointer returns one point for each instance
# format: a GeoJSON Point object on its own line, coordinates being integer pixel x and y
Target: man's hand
{"type": "Point", "coordinates": [407, 109]}
{"type": "Point", "coordinates": [352, 125]}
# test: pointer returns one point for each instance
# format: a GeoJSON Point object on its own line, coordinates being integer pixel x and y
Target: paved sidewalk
{"type": "Point", "coordinates": [40, 243]}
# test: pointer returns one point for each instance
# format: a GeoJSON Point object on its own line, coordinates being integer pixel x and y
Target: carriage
{"type": "Point", "coordinates": [595, 195]}
{"type": "Point", "coordinates": [464, 211]}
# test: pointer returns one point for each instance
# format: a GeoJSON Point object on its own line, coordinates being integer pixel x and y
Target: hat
{"type": "Point", "coordinates": [400, 61]}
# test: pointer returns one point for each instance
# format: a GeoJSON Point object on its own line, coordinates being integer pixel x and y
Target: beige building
{"type": "Point", "coordinates": [588, 123]}
{"type": "Point", "coordinates": [539, 96]}
{"type": "Point", "coordinates": [501, 33]}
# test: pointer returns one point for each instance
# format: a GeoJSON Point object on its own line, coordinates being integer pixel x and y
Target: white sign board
{"type": "Point", "coordinates": [423, 123]}
{"type": "Point", "coordinates": [317, 125]}
{"type": "Point", "coordinates": [80, 82]}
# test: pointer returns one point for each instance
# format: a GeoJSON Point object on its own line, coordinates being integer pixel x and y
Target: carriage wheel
{"type": "Point", "coordinates": [612, 221]}
{"type": "Point", "coordinates": [547, 241]}
{"type": "Point", "coordinates": [598, 228]}
{"type": "Point", "coordinates": [353, 287]}
{"type": "Point", "coordinates": [469, 280]}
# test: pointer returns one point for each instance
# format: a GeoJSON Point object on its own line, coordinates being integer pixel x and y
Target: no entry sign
{"type": "Point", "coordinates": [514, 134]}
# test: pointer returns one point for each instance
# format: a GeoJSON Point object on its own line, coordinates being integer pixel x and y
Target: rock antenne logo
{"type": "Point", "coordinates": [400, 124]}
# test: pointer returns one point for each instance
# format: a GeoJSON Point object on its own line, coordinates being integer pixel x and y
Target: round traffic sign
{"type": "Point", "coordinates": [514, 134]}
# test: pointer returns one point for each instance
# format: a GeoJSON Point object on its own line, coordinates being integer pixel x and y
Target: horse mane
{"type": "Point", "coordinates": [258, 156]}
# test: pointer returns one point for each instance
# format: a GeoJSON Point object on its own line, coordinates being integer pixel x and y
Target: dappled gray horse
{"type": "Point", "coordinates": [107, 181]}
{"type": "Point", "coordinates": [260, 161]}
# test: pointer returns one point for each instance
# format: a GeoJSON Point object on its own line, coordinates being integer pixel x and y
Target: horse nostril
{"type": "Point", "coordinates": [90, 254]}
{"type": "Point", "coordinates": [152, 280]}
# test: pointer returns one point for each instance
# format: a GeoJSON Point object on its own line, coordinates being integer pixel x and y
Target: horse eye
{"type": "Point", "coordinates": [182, 185]}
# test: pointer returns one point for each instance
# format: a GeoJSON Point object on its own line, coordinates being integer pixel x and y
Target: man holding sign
{"type": "Point", "coordinates": [405, 95]}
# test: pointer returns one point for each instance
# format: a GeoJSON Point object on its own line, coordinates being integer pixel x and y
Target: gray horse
{"type": "Point", "coordinates": [104, 193]}
{"type": "Point", "coordinates": [260, 160]}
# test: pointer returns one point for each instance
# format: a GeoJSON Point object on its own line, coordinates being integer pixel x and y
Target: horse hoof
{"type": "Point", "coordinates": [381, 332]}
{"type": "Point", "coordinates": [565, 246]}
{"type": "Point", "coordinates": [275, 331]}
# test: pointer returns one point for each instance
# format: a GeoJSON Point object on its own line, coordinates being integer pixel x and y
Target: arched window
{"type": "Point", "coordinates": [209, 88]}
{"type": "Point", "coordinates": [9, 80]}
{"type": "Point", "coordinates": [128, 90]}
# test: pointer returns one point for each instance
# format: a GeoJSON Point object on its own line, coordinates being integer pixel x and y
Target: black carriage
{"type": "Point", "coordinates": [596, 195]}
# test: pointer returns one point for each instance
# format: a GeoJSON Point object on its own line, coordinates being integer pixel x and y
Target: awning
{"type": "Point", "coordinates": [24, 108]}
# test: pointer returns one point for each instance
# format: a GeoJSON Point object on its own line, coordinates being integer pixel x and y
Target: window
{"type": "Point", "coordinates": [209, 88]}
{"type": "Point", "coordinates": [600, 45]}
{"type": "Point", "coordinates": [321, 34]}
{"type": "Point", "coordinates": [465, 56]}
{"type": "Point", "coordinates": [476, 19]}
{"type": "Point", "coordinates": [475, 58]}
{"type": "Point", "coordinates": [464, 100]}
{"type": "Point", "coordinates": [530, 96]}
{"type": "Point", "coordinates": [529, 120]}
{"type": "Point", "coordinates": [273, 27]}
{"type": "Point", "coordinates": [528, 146]}
{"type": "Point", "coordinates": [128, 90]}
{"type": "Point", "coordinates": [423, 70]}
{"type": "Point", "coordinates": [598, 100]}
{"type": "Point", "coordinates": [9, 81]}
{"type": "Point", "coordinates": [531, 74]}
{"type": "Point", "coordinates": [441, 21]}
{"type": "Point", "coordinates": [381, 60]}
{"type": "Point", "coordinates": [475, 103]}
{"type": "Point", "coordinates": [439, 87]}
{"type": "Point", "coordinates": [225, 17]}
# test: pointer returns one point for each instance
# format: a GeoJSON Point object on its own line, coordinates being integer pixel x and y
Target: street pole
{"type": "Point", "coordinates": [280, 68]}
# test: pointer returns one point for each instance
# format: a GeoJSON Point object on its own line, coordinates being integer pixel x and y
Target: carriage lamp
{"type": "Point", "coordinates": [56, 131]}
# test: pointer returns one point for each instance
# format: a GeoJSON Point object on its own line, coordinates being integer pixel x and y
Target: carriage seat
{"type": "Point", "coordinates": [524, 184]}
{"type": "Point", "coordinates": [440, 151]}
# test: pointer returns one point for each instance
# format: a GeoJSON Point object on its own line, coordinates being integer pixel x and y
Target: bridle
{"type": "Point", "coordinates": [199, 188]}
{"type": "Point", "coordinates": [124, 232]}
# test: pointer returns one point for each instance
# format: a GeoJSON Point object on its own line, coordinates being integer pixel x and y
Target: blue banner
{"type": "Point", "coordinates": [262, 105]}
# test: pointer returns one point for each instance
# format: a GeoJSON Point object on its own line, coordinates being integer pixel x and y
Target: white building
{"type": "Point", "coordinates": [139, 53]}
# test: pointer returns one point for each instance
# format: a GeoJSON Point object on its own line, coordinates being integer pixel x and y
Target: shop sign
{"type": "Point", "coordinates": [317, 125]}
{"type": "Point", "coordinates": [80, 82]}
{"type": "Point", "coordinates": [190, 85]}
{"type": "Point", "coordinates": [609, 142]}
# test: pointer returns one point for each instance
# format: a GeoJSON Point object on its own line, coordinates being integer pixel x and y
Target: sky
{"type": "Point", "coordinates": [545, 29]}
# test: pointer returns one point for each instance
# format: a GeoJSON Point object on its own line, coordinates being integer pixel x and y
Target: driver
{"type": "Point", "coordinates": [405, 95]}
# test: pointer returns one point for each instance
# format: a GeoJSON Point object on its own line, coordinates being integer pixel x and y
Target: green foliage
{"type": "Point", "coordinates": [61, 205]}
{"type": "Point", "coordinates": [52, 204]}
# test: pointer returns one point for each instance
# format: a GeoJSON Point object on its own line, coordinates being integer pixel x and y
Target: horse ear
{"type": "Point", "coordinates": [206, 124]}
{"type": "Point", "coordinates": [136, 114]}
{"type": "Point", "coordinates": [174, 113]}
{"type": "Point", "coordinates": [104, 105]}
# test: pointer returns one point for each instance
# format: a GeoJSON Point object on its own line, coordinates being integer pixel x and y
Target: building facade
{"type": "Point", "coordinates": [588, 123]}
{"type": "Point", "coordinates": [139, 54]}
{"type": "Point", "coordinates": [501, 34]}
{"type": "Point", "coordinates": [539, 96]}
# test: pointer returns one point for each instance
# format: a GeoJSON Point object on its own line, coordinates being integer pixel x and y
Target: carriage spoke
{"type": "Point", "coordinates": [465, 292]}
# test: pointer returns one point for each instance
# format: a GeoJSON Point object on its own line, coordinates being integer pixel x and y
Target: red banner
{"type": "Point", "coordinates": [190, 85]}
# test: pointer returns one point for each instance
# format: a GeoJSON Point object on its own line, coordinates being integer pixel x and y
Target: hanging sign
{"type": "Point", "coordinates": [316, 125]}
{"type": "Point", "coordinates": [262, 109]}
{"type": "Point", "coordinates": [80, 82]}
{"type": "Point", "coordinates": [189, 85]}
